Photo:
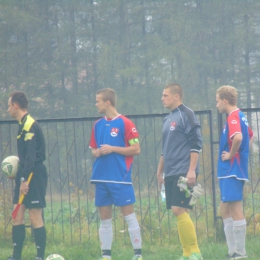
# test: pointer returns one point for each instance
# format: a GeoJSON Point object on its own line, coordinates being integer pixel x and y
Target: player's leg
{"type": "Point", "coordinates": [239, 227]}
{"type": "Point", "coordinates": [228, 227]}
{"type": "Point", "coordinates": [179, 204]}
{"type": "Point", "coordinates": [18, 234]}
{"type": "Point", "coordinates": [133, 229]}
{"type": "Point", "coordinates": [231, 209]}
{"type": "Point", "coordinates": [103, 202]}
{"type": "Point", "coordinates": [35, 202]}
{"type": "Point", "coordinates": [18, 228]}
{"type": "Point", "coordinates": [124, 197]}
{"type": "Point", "coordinates": [39, 231]}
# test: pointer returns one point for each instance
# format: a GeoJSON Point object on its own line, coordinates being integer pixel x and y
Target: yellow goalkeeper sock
{"type": "Point", "coordinates": [187, 234]}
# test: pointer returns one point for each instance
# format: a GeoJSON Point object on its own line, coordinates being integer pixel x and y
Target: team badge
{"type": "Point", "coordinates": [134, 130]}
{"type": "Point", "coordinates": [114, 132]}
{"type": "Point", "coordinates": [234, 122]}
{"type": "Point", "coordinates": [172, 126]}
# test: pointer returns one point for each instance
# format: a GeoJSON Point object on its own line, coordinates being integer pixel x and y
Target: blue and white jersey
{"type": "Point", "coordinates": [113, 167]}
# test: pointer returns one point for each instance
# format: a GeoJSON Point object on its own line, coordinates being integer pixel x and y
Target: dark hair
{"type": "Point", "coordinates": [175, 89]}
{"type": "Point", "coordinates": [20, 99]}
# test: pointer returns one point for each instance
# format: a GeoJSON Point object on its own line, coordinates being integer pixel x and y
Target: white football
{"type": "Point", "coordinates": [10, 166]}
{"type": "Point", "coordinates": [55, 257]}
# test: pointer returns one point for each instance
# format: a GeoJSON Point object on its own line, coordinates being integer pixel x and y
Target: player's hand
{"type": "Point", "coordinates": [24, 187]}
{"type": "Point", "coordinates": [105, 149]}
{"type": "Point", "coordinates": [225, 156]}
{"type": "Point", "coordinates": [191, 176]}
{"type": "Point", "coordinates": [97, 153]}
{"type": "Point", "coordinates": [160, 181]}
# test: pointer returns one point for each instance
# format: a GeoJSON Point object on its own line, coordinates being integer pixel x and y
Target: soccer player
{"type": "Point", "coordinates": [31, 153]}
{"type": "Point", "coordinates": [181, 145]}
{"type": "Point", "coordinates": [114, 142]}
{"type": "Point", "coordinates": [233, 170]}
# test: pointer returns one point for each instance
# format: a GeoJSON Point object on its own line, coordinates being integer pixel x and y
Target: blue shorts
{"type": "Point", "coordinates": [114, 193]}
{"type": "Point", "coordinates": [231, 189]}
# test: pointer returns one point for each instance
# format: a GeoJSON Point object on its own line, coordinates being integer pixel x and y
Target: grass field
{"type": "Point", "coordinates": [121, 251]}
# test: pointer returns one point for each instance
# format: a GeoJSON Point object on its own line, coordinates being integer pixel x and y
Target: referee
{"type": "Point", "coordinates": [31, 153]}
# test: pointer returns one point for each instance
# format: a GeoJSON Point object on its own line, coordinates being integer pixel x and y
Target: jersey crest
{"type": "Point", "coordinates": [114, 132]}
{"type": "Point", "coordinates": [173, 126]}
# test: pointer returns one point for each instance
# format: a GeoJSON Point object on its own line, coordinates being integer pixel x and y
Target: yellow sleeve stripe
{"type": "Point", "coordinates": [133, 141]}
{"type": "Point", "coordinates": [28, 123]}
{"type": "Point", "coordinates": [28, 136]}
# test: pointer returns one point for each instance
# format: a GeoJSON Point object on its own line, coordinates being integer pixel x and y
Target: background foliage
{"type": "Point", "coordinates": [60, 52]}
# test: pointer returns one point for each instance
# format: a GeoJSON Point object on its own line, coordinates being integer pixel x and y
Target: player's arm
{"type": "Point", "coordinates": [93, 145]}
{"type": "Point", "coordinates": [251, 136]}
{"type": "Point", "coordinates": [160, 172]}
{"type": "Point", "coordinates": [95, 152]}
{"type": "Point", "coordinates": [30, 140]}
{"type": "Point", "coordinates": [195, 140]}
{"type": "Point", "coordinates": [131, 150]}
{"type": "Point", "coordinates": [236, 142]}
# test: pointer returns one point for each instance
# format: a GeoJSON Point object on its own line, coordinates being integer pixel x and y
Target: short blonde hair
{"type": "Point", "coordinates": [229, 93]}
{"type": "Point", "coordinates": [108, 94]}
{"type": "Point", "coordinates": [175, 89]}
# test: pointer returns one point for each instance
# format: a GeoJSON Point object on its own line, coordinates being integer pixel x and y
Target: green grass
{"type": "Point", "coordinates": [81, 238]}
{"type": "Point", "coordinates": [122, 250]}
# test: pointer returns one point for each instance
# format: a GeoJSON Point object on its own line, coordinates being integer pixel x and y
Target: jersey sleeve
{"type": "Point", "coordinates": [234, 126]}
{"type": "Point", "coordinates": [193, 132]}
{"type": "Point", "coordinates": [30, 157]}
{"type": "Point", "coordinates": [130, 130]}
{"type": "Point", "coordinates": [250, 132]}
{"type": "Point", "coordinates": [92, 142]}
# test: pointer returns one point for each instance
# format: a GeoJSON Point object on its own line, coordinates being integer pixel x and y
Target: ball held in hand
{"type": "Point", "coordinates": [10, 166]}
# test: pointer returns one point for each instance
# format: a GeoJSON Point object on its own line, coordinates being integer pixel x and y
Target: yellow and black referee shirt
{"type": "Point", "coordinates": [30, 144]}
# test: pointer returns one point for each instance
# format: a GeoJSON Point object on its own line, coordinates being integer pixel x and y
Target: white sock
{"type": "Point", "coordinates": [134, 231]}
{"type": "Point", "coordinates": [239, 229]}
{"type": "Point", "coordinates": [228, 229]}
{"type": "Point", "coordinates": [106, 235]}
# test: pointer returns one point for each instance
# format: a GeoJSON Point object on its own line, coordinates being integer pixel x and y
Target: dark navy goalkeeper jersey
{"type": "Point", "coordinates": [238, 165]}
{"type": "Point", "coordinates": [181, 136]}
{"type": "Point", "coordinates": [113, 167]}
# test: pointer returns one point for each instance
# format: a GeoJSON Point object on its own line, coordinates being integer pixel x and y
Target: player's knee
{"type": "Point", "coordinates": [178, 211]}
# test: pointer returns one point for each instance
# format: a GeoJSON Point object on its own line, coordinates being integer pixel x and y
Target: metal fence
{"type": "Point", "coordinates": [70, 214]}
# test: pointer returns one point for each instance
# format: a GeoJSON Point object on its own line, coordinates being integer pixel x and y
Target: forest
{"type": "Point", "coordinates": [61, 52]}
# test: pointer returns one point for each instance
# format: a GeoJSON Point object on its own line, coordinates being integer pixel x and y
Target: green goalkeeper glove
{"type": "Point", "coordinates": [182, 184]}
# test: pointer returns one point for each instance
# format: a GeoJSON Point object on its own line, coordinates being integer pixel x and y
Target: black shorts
{"type": "Point", "coordinates": [175, 197]}
{"type": "Point", "coordinates": [35, 198]}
